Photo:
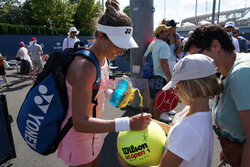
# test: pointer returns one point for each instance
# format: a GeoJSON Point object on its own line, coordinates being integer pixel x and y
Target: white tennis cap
{"type": "Point", "coordinates": [190, 67]}
{"type": "Point", "coordinates": [230, 24]}
{"type": "Point", "coordinates": [121, 36]}
{"type": "Point", "coordinates": [73, 29]}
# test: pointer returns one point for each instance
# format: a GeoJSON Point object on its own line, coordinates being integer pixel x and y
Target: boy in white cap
{"type": "Point", "coordinates": [229, 28]}
{"type": "Point", "coordinates": [70, 41]}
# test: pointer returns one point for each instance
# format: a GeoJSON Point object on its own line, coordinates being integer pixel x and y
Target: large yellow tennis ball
{"type": "Point", "coordinates": [142, 148]}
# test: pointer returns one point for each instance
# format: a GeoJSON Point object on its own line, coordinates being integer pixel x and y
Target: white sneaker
{"type": "Point", "coordinates": [165, 117]}
{"type": "Point", "coordinates": [172, 112]}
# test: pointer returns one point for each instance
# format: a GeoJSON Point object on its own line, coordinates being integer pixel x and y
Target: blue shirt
{"type": "Point", "coordinates": [242, 43]}
{"type": "Point", "coordinates": [235, 98]}
{"type": "Point", "coordinates": [161, 50]}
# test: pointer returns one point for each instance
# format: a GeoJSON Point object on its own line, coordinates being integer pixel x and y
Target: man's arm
{"type": "Point", "coordinates": [245, 48]}
{"type": "Point", "coordinates": [41, 50]}
{"type": "Point", "coordinates": [245, 120]}
{"type": "Point", "coordinates": [165, 54]}
{"type": "Point", "coordinates": [143, 60]}
{"type": "Point", "coordinates": [165, 68]}
{"type": "Point", "coordinates": [179, 45]}
{"type": "Point", "coordinates": [64, 44]}
{"type": "Point", "coordinates": [145, 55]}
{"type": "Point", "coordinates": [29, 53]}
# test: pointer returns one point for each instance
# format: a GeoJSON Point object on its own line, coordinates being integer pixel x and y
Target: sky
{"type": "Point", "coordinates": [181, 9]}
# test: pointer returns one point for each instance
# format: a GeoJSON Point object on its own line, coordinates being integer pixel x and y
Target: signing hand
{"type": "Point", "coordinates": [140, 121]}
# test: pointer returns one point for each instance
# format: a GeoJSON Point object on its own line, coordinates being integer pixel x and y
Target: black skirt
{"type": "Point", "coordinates": [2, 70]}
{"type": "Point", "coordinates": [25, 67]}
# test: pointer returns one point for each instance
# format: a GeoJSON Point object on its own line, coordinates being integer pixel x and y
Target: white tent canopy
{"type": "Point", "coordinates": [188, 24]}
{"type": "Point", "coordinates": [204, 22]}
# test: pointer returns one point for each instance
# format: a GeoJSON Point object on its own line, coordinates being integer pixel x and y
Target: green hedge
{"type": "Point", "coordinates": [37, 30]}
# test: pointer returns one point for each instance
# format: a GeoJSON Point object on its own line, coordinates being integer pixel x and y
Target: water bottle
{"type": "Point", "coordinates": [119, 91]}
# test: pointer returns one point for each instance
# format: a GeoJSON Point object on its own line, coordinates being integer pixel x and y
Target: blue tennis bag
{"type": "Point", "coordinates": [46, 104]}
{"type": "Point", "coordinates": [148, 67]}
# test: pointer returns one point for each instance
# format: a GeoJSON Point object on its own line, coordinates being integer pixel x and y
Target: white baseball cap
{"type": "Point", "coordinates": [230, 24]}
{"type": "Point", "coordinates": [190, 67]}
{"type": "Point", "coordinates": [73, 29]}
{"type": "Point", "coordinates": [121, 36]}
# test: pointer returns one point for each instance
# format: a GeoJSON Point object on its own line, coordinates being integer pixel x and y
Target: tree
{"type": "Point", "coordinates": [27, 13]}
{"type": "Point", "coordinates": [3, 2]}
{"type": "Point", "coordinates": [10, 13]}
{"type": "Point", "coordinates": [64, 12]}
{"type": "Point", "coordinates": [60, 12]}
{"type": "Point", "coordinates": [86, 13]}
{"type": "Point", "coordinates": [75, 2]}
{"type": "Point", "coordinates": [127, 10]}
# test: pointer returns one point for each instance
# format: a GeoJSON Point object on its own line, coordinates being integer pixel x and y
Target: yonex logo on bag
{"type": "Point", "coordinates": [128, 31]}
{"type": "Point", "coordinates": [33, 122]}
{"type": "Point", "coordinates": [40, 99]}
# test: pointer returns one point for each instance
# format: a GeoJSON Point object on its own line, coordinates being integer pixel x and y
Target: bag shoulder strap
{"type": "Point", "coordinates": [93, 59]}
{"type": "Point", "coordinates": [246, 61]}
{"type": "Point", "coordinates": [97, 83]}
{"type": "Point", "coordinates": [156, 43]}
{"type": "Point", "coordinates": [156, 68]}
{"type": "Point", "coordinates": [151, 50]}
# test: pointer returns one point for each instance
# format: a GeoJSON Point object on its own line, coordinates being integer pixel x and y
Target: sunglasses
{"type": "Point", "coordinates": [235, 32]}
{"type": "Point", "coordinates": [171, 23]}
{"type": "Point", "coordinates": [73, 32]}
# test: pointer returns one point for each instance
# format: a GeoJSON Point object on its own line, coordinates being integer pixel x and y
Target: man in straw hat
{"type": "Point", "coordinates": [160, 54]}
{"type": "Point", "coordinates": [70, 41]}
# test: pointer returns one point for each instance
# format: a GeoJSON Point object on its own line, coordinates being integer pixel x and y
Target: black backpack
{"type": "Point", "coordinates": [46, 104]}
